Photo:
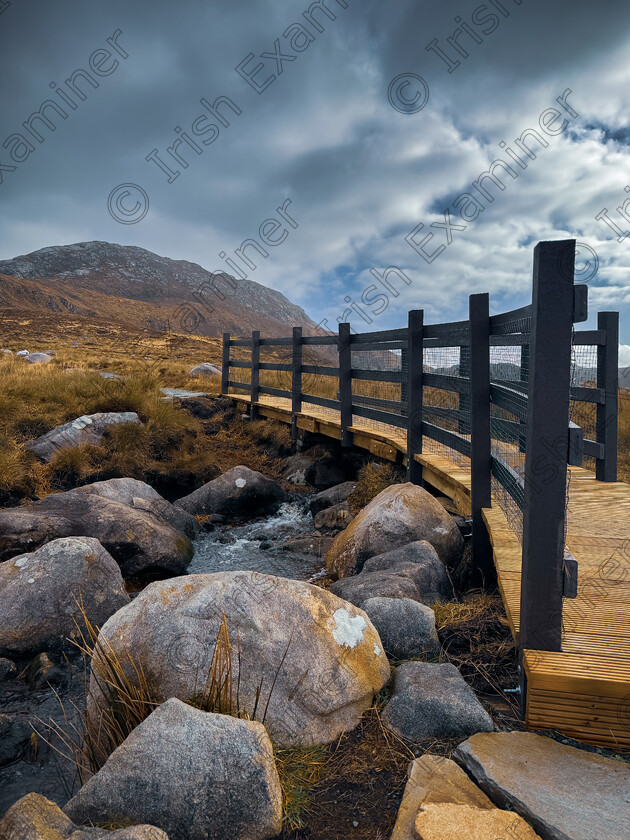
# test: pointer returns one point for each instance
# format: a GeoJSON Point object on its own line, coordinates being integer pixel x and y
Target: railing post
{"type": "Point", "coordinates": [464, 399]}
{"type": "Point", "coordinates": [296, 380]}
{"type": "Point", "coordinates": [345, 383]}
{"type": "Point", "coordinates": [481, 451]}
{"type": "Point", "coordinates": [608, 381]}
{"type": "Point", "coordinates": [415, 361]}
{"type": "Point", "coordinates": [255, 379]}
{"type": "Point", "coordinates": [547, 447]}
{"type": "Point", "coordinates": [524, 375]}
{"type": "Point", "coordinates": [404, 376]}
{"type": "Point", "coordinates": [225, 364]}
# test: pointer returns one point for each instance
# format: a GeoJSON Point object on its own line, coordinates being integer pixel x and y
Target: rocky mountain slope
{"type": "Point", "coordinates": [134, 287]}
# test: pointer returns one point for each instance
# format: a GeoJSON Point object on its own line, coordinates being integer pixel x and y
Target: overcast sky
{"type": "Point", "coordinates": [320, 131]}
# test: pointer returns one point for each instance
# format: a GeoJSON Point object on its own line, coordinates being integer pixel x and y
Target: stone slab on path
{"type": "Point", "coordinates": [564, 792]}
{"type": "Point", "coordinates": [435, 779]}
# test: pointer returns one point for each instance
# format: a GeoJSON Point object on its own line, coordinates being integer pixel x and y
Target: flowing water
{"type": "Point", "coordinates": [283, 544]}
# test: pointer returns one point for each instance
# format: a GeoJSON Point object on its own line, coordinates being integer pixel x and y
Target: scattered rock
{"type": "Point", "coordinates": [107, 374]}
{"type": "Point", "coordinates": [433, 701]}
{"type": "Point", "coordinates": [180, 394]}
{"type": "Point", "coordinates": [15, 736]}
{"type": "Point", "coordinates": [38, 358]}
{"type": "Point", "coordinates": [434, 779]}
{"type": "Point", "coordinates": [325, 472]}
{"type": "Point", "coordinates": [137, 494]}
{"type": "Point", "coordinates": [564, 792]}
{"type": "Point", "coordinates": [239, 491]}
{"type": "Point", "coordinates": [426, 582]}
{"type": "Point", "coordinates": [407, 628]}
{"type": "Point", "coordinates": [334, 519]}
{"type": "Point", "coordinates": [194, 774]}
{"type": "Point", "coordinates": [324, 655]}
{"type": "Point", "coordinates": [36, 818]}
{"type": "Point", "coordinates": [42, 671]}
{"type": "Point", "coordinates": [89, 428]}
{"type": "Point", "coordinates": [206, 369]}
{"type": "Point", "coordinates": [295, 468]}
{"type": "Point", "coordinates": [313, 546]}
{"type": "Point", "coordinates": [39, 593]}
{"type": "Point", "coordinates": [331, 497]}
{"type": "Point", "coordinates": [136, 539]}
{"type": "Point", "coordinates": [22, 353]}
{"type": "Point", "coordinates": [8, 669]}
{"type": "Point", "coordinates": [50, 352]}
{"type": "Point", "coordinates": [6, 352]}
{"type": "Point", "coordinates": [173, 483]}
{"type": "Point", "coordinates": [400, 514]}
{"type": "Point", "coordinates": [452, 822]}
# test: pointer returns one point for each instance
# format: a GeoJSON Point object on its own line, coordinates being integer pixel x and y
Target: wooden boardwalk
{"type": "Point", "coordinates": [583, 691]}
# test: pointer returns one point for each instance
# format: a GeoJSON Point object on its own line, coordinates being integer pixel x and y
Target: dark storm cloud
{"type": "Point", "coordinates": [359, 174]}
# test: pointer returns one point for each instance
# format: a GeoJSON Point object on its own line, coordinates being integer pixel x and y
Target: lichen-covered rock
{"type": "Point", "coordinates": [89, 428]}
{"type": "Point", "coordinates": [38, 358]}
{"type": "Point", "coordinates": [194, 774]}
{"type": "Point", "coordinates": [36, 818]}
{"type": "Point", "coordinates": [434, 701]}
{"type": "Point", "coordinates": [400, 514]}
{"type": "Point", "coordinates": [237, 492]}
{"type": "Point", "coordinates": [41, 593]}
{"type": "Point", "coordinates": [322, 656]}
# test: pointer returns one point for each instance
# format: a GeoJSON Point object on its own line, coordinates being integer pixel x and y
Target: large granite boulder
{"type": "Point", "coordinates": [320, 659]}
{"type": "Point", "coordinates": [36, 818]}
{"type": "Point", "coordinates": [400, 514]}
{"type": "Point", "coordinates": [426, 583]}
{"type": "Point", "coordinates": [407, 628]}
{"type": "Point", "coordinates": [434, 701]}
{"type": "Point", "coordinates": [240, 491]}
{"type": "Point", "coordinates": [331, 497]}
{"type": "Point", "coordinates": [565, 793]}
{"type": "Point", "coordinates": [41, 594]}
{"type": "Point", "coordinates": [434, 779]}
{"type": "Point", "coordinates": [195, 775]}
{"type": "Point", "coordinates": [89, 428]}
{"type": "Point", "coordinates": [136, 539]}
{"type": "Point", "coordinates": [138, 494]}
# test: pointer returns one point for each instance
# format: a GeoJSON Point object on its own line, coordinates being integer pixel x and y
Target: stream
{"type": "Point", "coordinates": [284, 544]}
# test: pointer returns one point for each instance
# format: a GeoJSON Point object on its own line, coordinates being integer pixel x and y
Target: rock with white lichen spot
{"type": "Point", "coordinates": [322, 656]}
{"type": "Point", "coordinates": [240, 491]}
{"type": "Point", "coordinates": [89, 428]}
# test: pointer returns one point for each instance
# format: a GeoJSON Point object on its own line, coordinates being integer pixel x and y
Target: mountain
{"type": "Point", "coordinates": [137, 289]}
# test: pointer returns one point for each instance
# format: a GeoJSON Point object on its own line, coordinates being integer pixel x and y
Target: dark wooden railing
{"type": "Point", "coordinates": [511, 422]}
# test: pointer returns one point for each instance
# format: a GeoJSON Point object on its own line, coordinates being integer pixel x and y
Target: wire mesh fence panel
{"type": "Point", "coordinates": [446, 408]}
{"type": "Point", "coordinates": [583, 412]}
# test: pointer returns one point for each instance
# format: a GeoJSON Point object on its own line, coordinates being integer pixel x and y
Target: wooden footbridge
{"type": "Point", "coordinates": [514, 417]}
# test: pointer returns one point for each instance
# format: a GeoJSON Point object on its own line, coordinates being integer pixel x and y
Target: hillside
{"type": "Point", "coordinates": [100, 283]}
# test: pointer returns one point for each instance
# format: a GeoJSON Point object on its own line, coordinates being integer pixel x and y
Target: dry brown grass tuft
{"type": "Point", "coordinates": [372, 480]}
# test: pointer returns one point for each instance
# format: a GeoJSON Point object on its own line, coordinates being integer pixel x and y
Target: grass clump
{"type": "Point", "coordinates": [372, 480]}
